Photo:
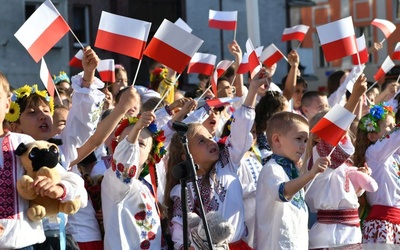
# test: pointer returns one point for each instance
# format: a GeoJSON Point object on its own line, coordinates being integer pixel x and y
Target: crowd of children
{"type": "Point", "coordinates": [257, 163]}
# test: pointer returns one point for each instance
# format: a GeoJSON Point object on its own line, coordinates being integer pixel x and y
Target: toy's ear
{"type": "Point", "coordinates": [58, 142]}
{"type": "Point", "coordinates": [21, 149]}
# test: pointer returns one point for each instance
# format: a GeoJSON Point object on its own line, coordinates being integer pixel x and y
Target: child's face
{"type": "Point", "coordinates": [211, 123]}
{"type": "Point", "coordinates": [36, 121]}
{"type": "Point", "coordinates": [121, 81]}
{"type": "Point", "coordinates": [204, 149]}
{"type": "Point", "coordinates": [385, 126]}
{"type": "Point", "coordinates": [293, 143]}
{"type": "Point", "coordinates": [59, 120]}
{"type": "Point", "coordinates": [4, 104]}
{"type": "Point", "coordinates": [299, 91]}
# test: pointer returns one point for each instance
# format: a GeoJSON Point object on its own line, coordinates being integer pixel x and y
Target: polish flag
{"type": "Point", "coordinates": [396, 52]}
{"type": "Point", "coordinates": [219, 102]}
{"type": "Point", "coordinates": [46, 78]}
{"type": "Point", "coordinates": [271, 55]}
{"type": "Point", "coordinates": [387, 65]}
{"type": "Point", "coordinates": [297, 32]}
{"type": "Point", "coordinates": [385, 26]}
{"type": "Point", "coordinates": [106, 70]}
{"type": "Point", "coordinates": [362, 51]}
{"type": "Point", "coordinates": [224, 20]}
{"type": "Point", "coordinates": [244, 65]}
{"type": "Point", "coordinates": [183, 25]}
{"type": "Point", "coordinates": [334, 125]}
{"type": "Point", "coordinates": [173, 46]}
{"type": "Point", "coordinates": [43, 29]}
{"type": "Point", "coordinates": [353, 76]}
{"type": "Point", "coordinates": [337, 39]}
{"type": "Point", "coordinates": [202, 63]}
{"type": "Point", "coordinates": [122, 35]}
{"type": "Point", "coordinates": [76, 61]}
{"type": "Point", "coordinates": [254, 64]}
{"type": "Point", "coordinates": [222, 66]}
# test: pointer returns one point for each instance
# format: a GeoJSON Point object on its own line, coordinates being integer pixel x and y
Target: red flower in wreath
{"type": "Point", "coordinates": [140, 215]}
{"type": "Point", "coordinates": [120, 167]}
{"type": "Point", "coordinates": [151, 235]}
{"type": "Point", "coordinates": [145, 244]}
{"type": "Point", "coordinates": [113, 166]}
{"type": "Point", "coordinates": [132, 171]}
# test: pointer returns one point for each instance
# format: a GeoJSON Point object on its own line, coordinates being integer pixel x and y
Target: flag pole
{"type": "Point", "coordinates": [204, 92]}
{"type": "Point", "coordinates": [312, 181]}
{"type": "Point", "coordinates": [398, 78]}
{"type": "Point", "coordinates": [298, 46]}
{"type": "Point", "coordinates": [371, 86]}
{"type": "Point", "coordinates": [234, 34]}
{"type": "Point", "coordinates": [166, 92]}
{"type": "Point", "coordinates": [384, 39]}
{"type": "Point", "coordinates": [137, 71]}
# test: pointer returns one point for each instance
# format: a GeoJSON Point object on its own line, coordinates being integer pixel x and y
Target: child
{"type": "Point", "coordinates": [281, 212]}
{"type": "Point", "coordinates": [377, 145]}
{"type": "Point", "coordinates": [218, 181]}
{"type": "Point", "coordinates": [130, 210]}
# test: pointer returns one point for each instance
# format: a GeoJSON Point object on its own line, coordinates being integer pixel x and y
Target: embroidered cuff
{"type": "Point", "coordinates": [281, 192]}
{"type": "Point", "coordinates": [248, 107]}
{"type": "Point", "coordinates": [64, 194]}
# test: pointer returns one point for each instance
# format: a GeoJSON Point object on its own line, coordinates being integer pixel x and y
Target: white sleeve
{"type": "Point", "coordinates": [74, 186]}
{"type": "Point", "coordinates": [385, 146]}
{"type": "Point", "coordinates": [337, 96]}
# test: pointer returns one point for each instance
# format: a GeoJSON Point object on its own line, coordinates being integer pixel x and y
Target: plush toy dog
{"type": "Point", "coordinates": [220, 231]}
{"type": "Point", "coordinates": [40, 158]}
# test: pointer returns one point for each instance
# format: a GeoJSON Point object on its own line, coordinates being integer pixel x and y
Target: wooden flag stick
{"type": "Point", "coordinates": [166, 92]}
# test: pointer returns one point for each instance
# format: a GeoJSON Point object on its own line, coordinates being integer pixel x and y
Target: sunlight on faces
{"type": "Point", "coordinates": [121, 81]}
{"type": "Point", "coordinates": [225, 89]}
{"type": "Point", "coordinates": [384, 126]}
{"type": "Point", "coordinates": [4, 103]}
{"type": "Point", "coordinates": [211, 123]}
{"type": "Point", "coordinates": [291, 144]}
{"type": "Point", "coordinates": [299, 91]}
{"type": "Point", "coordinates": [318, 104]}
{"type": "Point", "coordinates": [59, 120]}
{"type": "Point", "coordinates": [204, 149]}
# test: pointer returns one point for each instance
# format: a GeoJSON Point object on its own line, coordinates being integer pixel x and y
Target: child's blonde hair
{"type": "Point", "coordinates": [5, 84]}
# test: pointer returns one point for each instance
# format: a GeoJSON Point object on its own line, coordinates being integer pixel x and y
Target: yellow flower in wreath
{"type": "Point", "coordinates": [13, 113]}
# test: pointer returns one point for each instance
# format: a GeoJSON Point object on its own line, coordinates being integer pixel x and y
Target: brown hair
{"type": "Point", "coordinates": [5, 84]}
{"type": "Point", "coordinates": [33, 100]}
{"type": "Point", "coordinates": [268, 105]}
{"type": "Point", "coordinates": [282, 122]}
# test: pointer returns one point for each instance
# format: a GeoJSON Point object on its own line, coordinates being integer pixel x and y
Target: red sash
{"type": "Point", "coordinates": [346, 217]}
{"type": "Point", "coordinates": [379, 212]}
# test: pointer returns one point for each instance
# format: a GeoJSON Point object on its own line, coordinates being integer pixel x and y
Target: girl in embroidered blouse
{"type": "Point", "coordinates": [377, 144]}
{"type": "Point", "coordinates": [333, 194]}
{"type": "Point", "coordinates": [218, 182]}
{"type": "Point", "coordinates": [130, 211]}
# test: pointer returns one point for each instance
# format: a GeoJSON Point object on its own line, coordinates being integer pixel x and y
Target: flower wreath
{"type": "Point", "coordinates": [157, 151]}
{"type": "Point", "coordinates": [24, 92]}
{"type": "Point", "coordinates": [62, 77]}
{"type": "Point", "coordinates": [378, 112]}
{"type": "Point", "coordinates": [158, 74]}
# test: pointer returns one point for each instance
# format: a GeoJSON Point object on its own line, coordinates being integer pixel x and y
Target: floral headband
{"type": "Point", "coordinates": [378, 112]}
{"type": "Point", "coordinates": [24, 92]}
{"type": "Point", "coordinates": [158, 74]}
{"type": "Point", "coordinates": [62, 77]}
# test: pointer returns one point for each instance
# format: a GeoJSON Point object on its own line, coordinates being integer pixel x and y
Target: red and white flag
{"type": "Point", "coordinates": [244, 65]}
{"type": "Point", "coordinates": [271, 55]}
{"type": "Point", "coordinates": [385, 26]}
{"type": "Point", "coordinates": [222, 66]}
{"type": "Point", "coordinates": [76, 61]}
{"type": "Point", "coordinates": [219, 102]}
{"type": "Point", "coordinates": [337, 39]}
{"type": "Point", "coordinates": [123, 35]}
{"type": "Point", "coordinates": [224, 20]}
{"type": "Point", "coordinates": [362, 51]}
{"type": "Point", "coordinates": [182, 24]}
{"type": "Point", "coordinates": [43, 29]}
{"type": "Point", "coordinates": [46, 78]}
{"type": "Point", "coordinates": [334, 125]}
{"type": "Point", "coordinates": [387, 65]}
{"type": "Point", "coordinates": [106, 70]}
{"type": "Point", "coordinates": [396, 52]}
{"type": "Point", "coordinates": [202, 63]}
{"type": "Point", "coordinates": [254, 64]}
{"type": "Point", "coordinates": [172, 46]}
{"type": "Point", "coordinates": [297, 32]}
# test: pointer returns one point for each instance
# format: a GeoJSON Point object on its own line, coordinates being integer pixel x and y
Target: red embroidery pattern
{"type": "Point", "coordinates": [378, 231]}
{"type": "Point", "coordinates": [8, 195]}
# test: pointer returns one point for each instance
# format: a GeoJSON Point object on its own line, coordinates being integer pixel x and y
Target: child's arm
{"type": "Point", "coordinates": [236, 51]}
{"type": "Point", "coordinates": [359, 89]}
{"type": "Point", "coordinates": [144, 121]}
{"type": "Point", "coordinates": [128, 99]}
{"type": "Point", "coordinates": [291, 79]}
{"type": "Point", "coordinates": [293, 186]}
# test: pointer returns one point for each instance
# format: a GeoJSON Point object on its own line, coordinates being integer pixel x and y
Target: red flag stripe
{"type": "Point", "coordinates": [273, 59]}
{"type": "Point", "coordinates": [293, 36]}
{"type": "Point", "coordinates": [120, 44]}
{"type": "Point", "coordinates": [329, 131]}
{"type": "Point", "coordinates": [167, 55]}
{"type": "Point", "coordinates": [75, 62]}
{"type": "Point", "coordinates": [396, 55]}
{"type": "Point", "coordinates": [107, 76]}
{"type": "Point", "coordinates": [339, 48]}
{"type": "Point", "coordinates": [56, 30]}
{"type": "Point", "coordinates": [224, 25]}
{"type": "Point", "coordinates": [363, 57]}
{"type": "Point", "coordinates": [379, 74]}
{"type": "Point", "coordinates": [200, 68]}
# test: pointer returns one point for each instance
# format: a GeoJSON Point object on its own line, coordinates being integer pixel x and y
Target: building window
{"type": "Point", "coordinates": [30, 7]}
{"type": "Point", "coordinates": [367, 31]}
{"type": "Point", "coordinates": [396, 9]}
{"type": "Point", "coordinates": [81, 25]}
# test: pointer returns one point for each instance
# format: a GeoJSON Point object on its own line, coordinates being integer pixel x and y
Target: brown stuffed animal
{"type": "Point", "coordinates": [40, 158]}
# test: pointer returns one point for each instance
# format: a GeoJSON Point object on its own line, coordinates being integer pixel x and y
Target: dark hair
{"type": "Point", "coordinates": [299, 80]}
{"type": "Point", "coordinates": [334, 81]}
{"type": "Point", "coordinates": [268, 105]}
{"type": "Point", "coordinates": [33, 100]}
{"type": "Point", "coordinates": [307, 98]}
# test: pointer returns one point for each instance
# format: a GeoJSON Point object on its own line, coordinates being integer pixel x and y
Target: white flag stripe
{"type": "Point", "coordinates": [44, 72]}
{"type": "Point", "coordinates": [222, 15]}
{"type": "Point", "coordinates": [387, 65]}
{"type": "Point", "coordinates": [397, 48]}
{"type": "Point", "coordinates": [268, 52]}
{"type": "Point", "coordinates": [124, 26]}
{"type": "Point", "coordinates": [204, 58]}
{"type": "Point", "coordinates": [172, 35]}
{"type": "Point", "coordinates": [298, 28]}
{"type": "Point", "coordinates": [340, 116]}
{"type": "Point", "coordinates": [337, 30]}
{"type": "Point", "coordinates": [361, 43]}
{"type": "Point", "coordinates": [182, 24]}
{"type": "Point", "coordinates": [353, 76]}
{"type": "Point", "coordinates": [39, 21]}
{"type": "Point", "coordinates": [106, 65]}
